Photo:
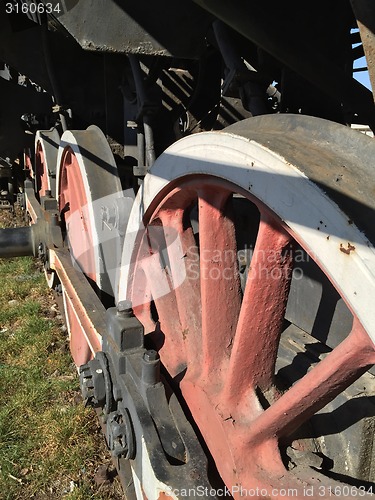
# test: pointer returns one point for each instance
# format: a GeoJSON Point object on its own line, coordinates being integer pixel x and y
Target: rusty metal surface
{"type": "Point", "coordinates": [303, 348]}
{"type": "Point", "coordinates": [364, 11]}
{"type": "Point", "coordinates": [138, 27]}
{"type": "Point", "coordinates": [223, 359]}
{"type": "Point", "coordinates": [225, 351]}
{"type": "Point", "coordinates": [349, 181]}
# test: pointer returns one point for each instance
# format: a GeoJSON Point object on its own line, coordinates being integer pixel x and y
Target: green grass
{"type": "Point", "coordinates": [50, 445]}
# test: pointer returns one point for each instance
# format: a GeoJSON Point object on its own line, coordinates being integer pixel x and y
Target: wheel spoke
{"type": "Point", "coordinates": [183, 256]}
{"type": "Point", "coordinates": [41, 173]}
{"type": "Point", "coordinates": [220, 284]}
{"type": "Point", "coordinates": [261, 319]}
{"type": "Point", "coordinates": [47, 144]}
{"type": "Point", "coordinates": [141, 299]}
{"type": "Point", "coordinates": [160, 285]}
{"type": "Point", "coordinates": [229, 341]}
{"type": "Point", "coordinates": [345, 364]}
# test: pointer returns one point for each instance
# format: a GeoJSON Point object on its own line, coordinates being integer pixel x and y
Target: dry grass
{"type": "Point", "coordinates": [50, 445]}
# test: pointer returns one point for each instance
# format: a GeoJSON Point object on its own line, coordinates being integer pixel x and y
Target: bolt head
{"type": "Point", "coordinates": [125, 307]}
{"type": "Point", "coordinates": [151, 355]}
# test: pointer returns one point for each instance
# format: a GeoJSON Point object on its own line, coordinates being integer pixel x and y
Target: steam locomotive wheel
{"type": "Point", "coordinates": [46, 149]}
{"type": "Point", "coordinates": [87, 178]}
{"type": "Point", "coordinates": [218, 340]}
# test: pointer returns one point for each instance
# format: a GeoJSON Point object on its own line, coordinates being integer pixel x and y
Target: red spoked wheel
{"type": "Point", "coordinates": [88, 187]}
{"type": "Point", "coordinates": [46, 149]}
{"type": "Point", "coordinates": [47, 144]}
{"type": "Point", "coordinates": [27, 163]}
{"type": "Point", "coordinates": [218, 322]}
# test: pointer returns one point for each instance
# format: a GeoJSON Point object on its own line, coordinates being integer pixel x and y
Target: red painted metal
{"type": "Point", "coordinates": [31, 211]}
{"type": "Point", "coordinates": [41, 172]}
{"type": "Point", "coordinates": [182, 248]}
{"type": "Point", "coordinates": [73, 203]}
{"type": "Point", "coordinates": [169, 333]}
{"type": "Point", "coordinates": [74, 206]}
{"type": "Point", "coordinates": [220, 283]}
{"type": "Point", "coordinates": [33, 207]}
{"type": "Point", "coordinates": [262, 312]}
{"type": "Point", "coordinates": [27, 162]}
{"type": "Point", "coordinates": [336, 372]}
{"type": "Point", "coordinates": [223, 346]}
{"type": "Point", "coordinates": [85, 312]}
{"type": "Point", "coordinates": [79, 347]}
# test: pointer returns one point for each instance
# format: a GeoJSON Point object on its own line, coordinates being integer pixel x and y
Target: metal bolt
{"type": "Point", "coordinates": [54, 220]}
{"type": "Point", "coordinates": [151, 355]}
{"type": "Point", "coordinates": [42, 251]}
{"type": "Point", "coordinates": [125, 307]}
{"type": "Point", "coordinates": [151, 367]}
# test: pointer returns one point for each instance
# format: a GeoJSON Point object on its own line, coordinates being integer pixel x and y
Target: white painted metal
{"type": "Point", "coordinates": [316, 222]}
{"type": "Point", "coordinates": [151, 486]}
{"type": "Point", "coordinates": [102, 188]}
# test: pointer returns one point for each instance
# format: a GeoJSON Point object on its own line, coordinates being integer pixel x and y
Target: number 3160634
{"type": "Point", "coordinates": [32, 8]}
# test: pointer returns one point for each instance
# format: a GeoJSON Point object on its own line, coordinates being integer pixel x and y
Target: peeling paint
{"type": "Point", "coordinates": [347, 250]}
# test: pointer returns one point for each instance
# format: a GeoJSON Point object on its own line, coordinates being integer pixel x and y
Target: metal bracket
{"type": "Point", "coordinates": [96, 384]}
{"type": "Point", "coordinates": [147, 424]}
{"type": "Point", "coordinates": [46, 220]}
